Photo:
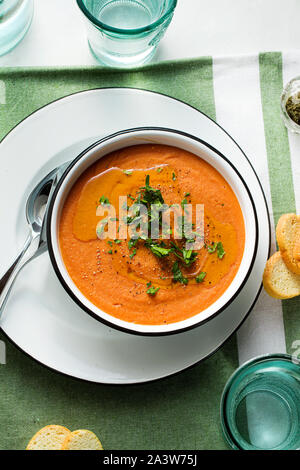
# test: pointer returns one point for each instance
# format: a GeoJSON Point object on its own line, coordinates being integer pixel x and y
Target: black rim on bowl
{"type": "Point", "coordinates": [69, 290]}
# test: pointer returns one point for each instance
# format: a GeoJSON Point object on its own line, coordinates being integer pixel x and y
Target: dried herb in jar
{"type": "Point", "coordinates": [293, 107]}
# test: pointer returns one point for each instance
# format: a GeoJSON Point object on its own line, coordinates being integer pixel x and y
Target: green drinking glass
{"type": "Point", "coordinates": [260, 405]}
{"type": "Point", "coordinates": [125, 33]}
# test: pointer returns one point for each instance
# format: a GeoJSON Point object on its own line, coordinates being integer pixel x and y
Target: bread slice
{"type": "Point", "coordinates": [278, 280]}
{"type": "Point", "coordinates": [49, 438]}
{"type": "Point", "coordinates": [288, 238]}
{"type": "Point", "coordinates": [82, 439]}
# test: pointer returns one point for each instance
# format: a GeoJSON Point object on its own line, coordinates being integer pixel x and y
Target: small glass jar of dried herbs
{"type": "Point", "coordinates": [290, 105]}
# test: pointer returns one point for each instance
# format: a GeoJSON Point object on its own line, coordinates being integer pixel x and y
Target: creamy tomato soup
{"type": "Point", "coordinates": [147, 281]}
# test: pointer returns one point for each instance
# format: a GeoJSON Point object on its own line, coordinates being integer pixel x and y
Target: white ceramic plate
{"type": "Point", "coordinates": [39, 317]}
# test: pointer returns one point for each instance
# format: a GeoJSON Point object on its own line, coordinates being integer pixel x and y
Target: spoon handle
{"type": "Point", "coordinates": [6, 282]}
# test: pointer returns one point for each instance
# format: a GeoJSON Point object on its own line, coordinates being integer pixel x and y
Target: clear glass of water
{"type": "Point", "coordinates": [125, 33]}
{"type": "Point", "coordinates": [260, 405]}
{"type": "Point", "coordinates": [15, 19]}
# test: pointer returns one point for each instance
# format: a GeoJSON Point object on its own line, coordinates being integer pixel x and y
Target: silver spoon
{"type": "Point", "coordinates": [36, 242]}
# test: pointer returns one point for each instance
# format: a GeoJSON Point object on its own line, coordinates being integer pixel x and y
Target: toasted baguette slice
{"type": "Point", "coordinates": [82, 439]}
{"type": "Point", "coordinates": [278, 280]}
{"type": "Point", "coordinates": [288, 238]}
{"type": "Point", "coordinates": [49, 438]}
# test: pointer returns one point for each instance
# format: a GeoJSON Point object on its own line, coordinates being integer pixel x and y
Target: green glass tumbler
{"type": "Point", "coordinates": [260, 405]}
{"type": "Point", "coordinates": [125, 33]}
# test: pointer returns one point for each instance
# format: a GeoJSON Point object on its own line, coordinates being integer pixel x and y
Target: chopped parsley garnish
{"type": "Point", "coordinates": [158, 250]}
{"type": "Point", "coordinates": [130, 218]}
{"type": "Point", "coordinates": [149, 197]}
{"type": "Point", "coordinates": [220, 250]}
{"type": "Point", "coordinates": [183, 203]}
{"type": "Point", "coordinates": [212, 248]}
{"type": "Point", "coordinates": [128, 172]}
{"type": "Point", "coordinates": [117, 242]}
{"type": "Point", "coordinates": [110, 243]}
{"type": "Point", "coordinates": [152, 290]}
{"type": "Point", "coordinates": [177, 274]}
{"type": "Point", "coordinates": [200, 277]}
{"type": "Point", "coordinates": [189, 256]}
{"type": "Point", "coordinates": [101, 229]}
{"type": "Point", "coordinates": [110, 252]}
{"type": "Point", "coordinates": [159, 170]}
{"type": "Point", "coordinates": [219, 247]}
{"type": "Point", "coordinates": [132, 243]}
{"type": "Point", "coordinates": [104, 200]}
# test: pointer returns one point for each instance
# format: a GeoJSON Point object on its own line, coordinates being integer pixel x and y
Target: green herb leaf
{"type": "Point", "coordinates": [132, 242]}
{"type": "Point", "coordinates": [128, 172]}
{"type": "Point", "coordinates": [200, 277]}
{"type": "Point", "coordinates": [159, 251]}
{"type": "Point", "coordinates": [132, 254]}
{"type": "Point", "coordinates": [173, 176]}
{"type": "Point", "coordinates": [104, 200]}
{"type": "Point", "coordinates": [151, 195]}
{"type": "Point", "coordinates": [189, 256]}
{"type": "Point", "coordinates": [109, 252]}
{"type": "Point", "coordinates": [159, 170]}
{"type": "Point", "coordinates": [212, 248]}
{"type": "Point", "coordinates": [129, 219]}
{"type": "Point", "coordinates": [183, 203]}
{"type": "Point", "coordinates": [117, 242]}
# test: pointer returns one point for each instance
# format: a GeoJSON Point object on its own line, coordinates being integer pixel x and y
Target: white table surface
{"type": "Point", "coordinates": [200, 27]}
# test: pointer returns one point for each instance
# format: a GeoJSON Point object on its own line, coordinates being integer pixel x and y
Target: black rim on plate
{"type": "Point", "coordinates": [61, 277]}
{"type": "Point", "coordinates": [259, 289]}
